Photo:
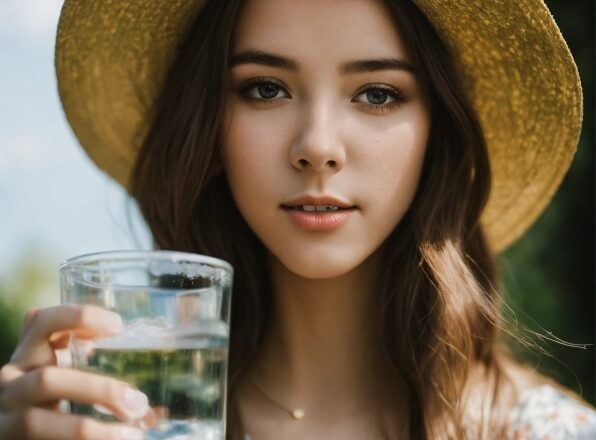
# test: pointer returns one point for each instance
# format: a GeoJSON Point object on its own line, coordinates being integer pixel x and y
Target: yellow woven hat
{"type": "Point", "coordinates": [112, 56]}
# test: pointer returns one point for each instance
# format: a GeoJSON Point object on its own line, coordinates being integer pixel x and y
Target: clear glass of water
{"type": "Point", "coordinates": [174, 346]}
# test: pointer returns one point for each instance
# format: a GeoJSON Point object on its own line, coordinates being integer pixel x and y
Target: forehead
{"type": "Point", "coordinates": [303, 29]}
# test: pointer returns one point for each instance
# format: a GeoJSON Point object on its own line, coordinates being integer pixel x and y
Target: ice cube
{"type": "Point", "coordinates": [158, 334]}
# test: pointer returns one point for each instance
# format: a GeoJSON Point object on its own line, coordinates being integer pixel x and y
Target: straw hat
{"type": "Point", "coordinates": [111, 57]}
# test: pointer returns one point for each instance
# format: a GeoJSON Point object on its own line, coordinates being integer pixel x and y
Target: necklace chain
{"type": "Point", "coordinates": [296, 413]}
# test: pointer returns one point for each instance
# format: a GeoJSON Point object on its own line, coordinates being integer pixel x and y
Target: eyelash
{"type": "Point", "coordinates": [395, 94]}
{"type": "Point", "coordinates": [247, 86]}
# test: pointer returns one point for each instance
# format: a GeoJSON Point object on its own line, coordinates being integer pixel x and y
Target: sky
{"type": "Point", "coordinates": [53, 200]}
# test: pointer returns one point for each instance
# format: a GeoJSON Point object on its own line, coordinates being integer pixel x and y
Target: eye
{"type": "Point", "coordinates": [263, 90]}
{"type": "Point", "coordinates": [380, 96]}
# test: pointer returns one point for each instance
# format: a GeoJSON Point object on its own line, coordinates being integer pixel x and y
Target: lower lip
{"type": "Point", "coordinates": [320, 221]}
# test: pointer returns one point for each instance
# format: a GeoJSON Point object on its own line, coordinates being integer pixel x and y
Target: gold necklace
{"type": "Point", "coordinates": [296, 414]}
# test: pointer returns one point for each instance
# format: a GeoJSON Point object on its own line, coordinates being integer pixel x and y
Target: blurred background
{"type": "Point", "coordinates": [54, 204]}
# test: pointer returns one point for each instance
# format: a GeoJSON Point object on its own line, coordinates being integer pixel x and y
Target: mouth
{"type": "Point", "coordinates": [318, 204]}
{"type": "Point", "coordinates": [316, 208]}
{"type": "Point", "coordinates": [319, 214]}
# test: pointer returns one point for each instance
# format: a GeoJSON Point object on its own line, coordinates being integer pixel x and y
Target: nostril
{"type": "Point", "coordinates": [303, 162]}
{"type": "Point", "coordinates": [332, 163]}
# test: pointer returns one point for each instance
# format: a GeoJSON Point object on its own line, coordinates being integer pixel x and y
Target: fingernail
{"type": "Point", "coordinates": [127, 433]}
{"type": "Point", "coordinates": [135, 401]}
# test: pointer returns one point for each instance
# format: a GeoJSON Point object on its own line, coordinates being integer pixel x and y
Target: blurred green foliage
{"type": "Point", "coordinates": [185, 381]}
{"type": "Point", "coordinates": [549, 273]}
{"type": "Point", "coordinates": [22, 285]}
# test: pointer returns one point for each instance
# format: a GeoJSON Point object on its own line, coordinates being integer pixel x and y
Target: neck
{"type": "Point", "coordinates": [322, 352]}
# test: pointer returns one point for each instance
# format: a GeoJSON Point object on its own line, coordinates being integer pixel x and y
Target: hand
{"type": "Point", "coordinates": [32, 384]}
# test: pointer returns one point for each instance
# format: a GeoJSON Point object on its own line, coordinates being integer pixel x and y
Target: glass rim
{"type": "Point", "coordinates": [80, 260]}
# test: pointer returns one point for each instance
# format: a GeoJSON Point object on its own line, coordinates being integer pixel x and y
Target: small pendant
{"type": "Point", "coordinates": [297, 414]}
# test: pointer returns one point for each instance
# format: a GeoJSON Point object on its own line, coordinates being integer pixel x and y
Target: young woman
{"type": "Point", "coordinates": [358, 162]}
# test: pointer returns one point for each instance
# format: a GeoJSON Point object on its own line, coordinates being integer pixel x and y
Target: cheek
{"type": "Point", "coordinates": [254, 137]}
{"type": "Point", "coordinates": [403, 164]}
{"type": "Point", "coordinates": [393, 168]}
{"type": "Point", "coordinates": [252, 157]}
{"type": "Point", "coordinates": [393, 163]}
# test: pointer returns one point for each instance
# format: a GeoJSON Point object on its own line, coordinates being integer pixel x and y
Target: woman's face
{"type": "Point", "coordinates": [323, 103]}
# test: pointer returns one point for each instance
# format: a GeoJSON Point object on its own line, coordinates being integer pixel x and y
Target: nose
{"type": "Point", "coordinates": [318, 146]}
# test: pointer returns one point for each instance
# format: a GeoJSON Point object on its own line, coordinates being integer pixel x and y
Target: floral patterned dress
{"type": "Point", "coordinates": [545, 413]}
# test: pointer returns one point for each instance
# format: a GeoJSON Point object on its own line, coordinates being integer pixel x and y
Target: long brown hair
{"type": "Point", "coordinates": [439, 306]}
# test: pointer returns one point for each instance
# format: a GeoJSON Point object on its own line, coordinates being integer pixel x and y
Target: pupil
{"type": "Point", "coordinates": [376, 96]}
{"type": "Point", "coordinates": [268, 91]}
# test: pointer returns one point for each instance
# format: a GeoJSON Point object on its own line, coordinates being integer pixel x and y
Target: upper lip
{"type": "Point", "coordinates": [317, 201]}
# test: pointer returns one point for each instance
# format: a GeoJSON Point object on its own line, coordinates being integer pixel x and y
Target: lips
{"type": "Point", "coordinates": [317, 204]}
{"type": "Point", "coordinates": [319, 214]}
{"type": "Point", "coordinates": [315, 208]}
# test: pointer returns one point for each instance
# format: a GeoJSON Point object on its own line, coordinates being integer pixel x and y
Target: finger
{"type": "Point", "coordinates": [57, 339]}
{"type": "Point", "coordinates": [27, 321]}
{"type": "Point", "coordinates": [60, 340]}
{"type": "Point", "coordinates": [47, 385]}
{"type": "Point", "coordinates": [48, 326]}
{"type": "Point", "coordinates": [9, 373]}
{"type": "Point", "coordinates": [43, 424]}
{"type": "Point", "coordinates": [87, 321]}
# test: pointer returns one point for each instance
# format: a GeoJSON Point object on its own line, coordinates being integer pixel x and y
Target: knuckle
{"type": "Point", "coordinates": [113, 390]}
{"type": "Point", "coordinates": [7, 372]}
{"type": "Point", "coordinates": [84, 428]}
{"type": "Point", "coordinates": [45, 377]}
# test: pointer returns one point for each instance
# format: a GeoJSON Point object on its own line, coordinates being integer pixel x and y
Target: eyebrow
{"type": "Point", "coordinates": [253, 56]}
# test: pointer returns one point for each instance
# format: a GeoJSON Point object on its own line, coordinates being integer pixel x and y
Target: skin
{"type": "Point", "coordinates": [319, 135]}
{"type": "Point", "coordinates": [312, 129]}
{"type": "Point", "coordinates": [32, 383]}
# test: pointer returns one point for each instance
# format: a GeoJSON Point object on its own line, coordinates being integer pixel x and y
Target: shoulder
{"type": "Point", "coordinates": [545, 413]}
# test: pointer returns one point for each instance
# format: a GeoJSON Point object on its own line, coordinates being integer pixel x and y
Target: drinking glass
{"type": "Point", "coordinates": [174, 346]}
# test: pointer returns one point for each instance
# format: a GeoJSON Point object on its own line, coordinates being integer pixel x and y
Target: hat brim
{"type": "Point", "coordinates": [111, 58]}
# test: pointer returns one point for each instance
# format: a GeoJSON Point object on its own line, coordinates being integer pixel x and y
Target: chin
{"type": "Point", "coordinates": [318, 266]}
